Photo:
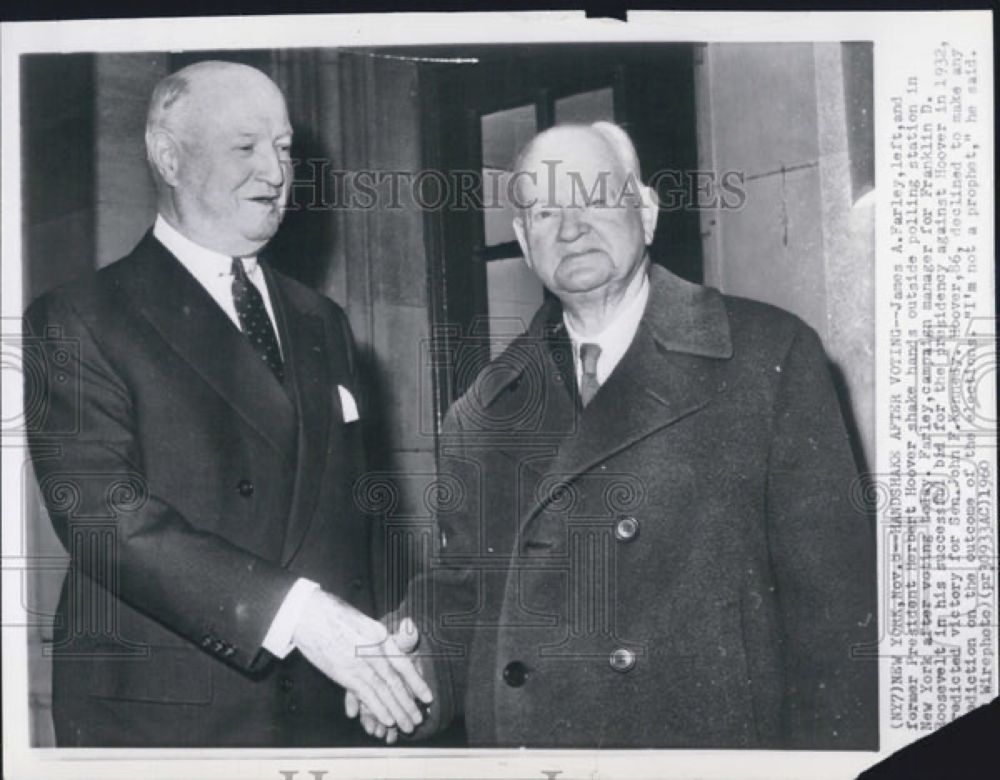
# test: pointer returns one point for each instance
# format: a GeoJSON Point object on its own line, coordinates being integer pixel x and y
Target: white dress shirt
{"type": "Point", "coordinates": [616, 337]}
{"type": "Point", "coordinates": [214, 272]}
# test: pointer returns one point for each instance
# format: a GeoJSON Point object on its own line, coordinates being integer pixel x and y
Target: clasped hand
{"type": "Point", "coordinates": [406, 640]}
{"type": "Point", "coordinates": [357, 652]}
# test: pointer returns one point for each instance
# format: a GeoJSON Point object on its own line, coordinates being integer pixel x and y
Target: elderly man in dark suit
{"type": "Point", "coordinates": [651, 541]}
{"type": "Point", "coordinates": [204, 487]}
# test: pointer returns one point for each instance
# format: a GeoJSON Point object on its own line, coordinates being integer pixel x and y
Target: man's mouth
{"type": "Point", "coordinates": [265, 200]}
{"type": "Point", "coordinates": [577, 255]}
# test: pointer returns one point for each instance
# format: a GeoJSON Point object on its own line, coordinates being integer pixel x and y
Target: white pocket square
{"type": "Point", "coordinates": [347, 404]}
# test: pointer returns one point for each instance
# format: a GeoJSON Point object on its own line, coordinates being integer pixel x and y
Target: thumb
{"type": "Point", "coordinates": [408, 637]}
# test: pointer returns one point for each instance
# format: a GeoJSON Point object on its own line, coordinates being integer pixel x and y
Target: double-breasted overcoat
{"type": "Point", "coordinates": [679, 564]}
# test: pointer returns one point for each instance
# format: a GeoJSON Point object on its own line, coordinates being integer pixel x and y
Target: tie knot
{"type": "Point", "coordinates": [238, 270]}
{"type": "Point", "coordinates": [589, 353]}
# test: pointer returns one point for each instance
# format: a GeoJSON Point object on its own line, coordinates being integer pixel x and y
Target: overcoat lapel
{"type": "Point", "coordinates": [647, 391]}
{"type": "Point", "coordinates": [197, 329]}
{"type": "Point", "coordinates": [665, 375]}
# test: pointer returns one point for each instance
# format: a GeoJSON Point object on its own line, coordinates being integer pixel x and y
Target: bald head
{"type": "Point", "coordinates": [219, 142]}
{"type": "Point", "coordinates": [183, 99]}
{"type": "Point", "coordinates": [603, 143]}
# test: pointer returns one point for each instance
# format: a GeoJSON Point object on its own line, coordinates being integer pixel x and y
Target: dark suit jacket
{"type": "Point", "coordinates": [678, 565]}
{"type": "Point", "coordinates": [191, 490]}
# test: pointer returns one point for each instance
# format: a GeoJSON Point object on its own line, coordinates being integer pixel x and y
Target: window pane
{"type": "Point", "coordinates": [586, 107]}
{"type": "Point", "coordinates": [504, 133]}
{"type": "Point", "coordinates": [498, 213]}
{"type": "Point", "coordinates": [514, 296]}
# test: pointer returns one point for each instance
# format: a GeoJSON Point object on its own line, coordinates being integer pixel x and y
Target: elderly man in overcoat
{"type": "Point", "coordinates": [648, 538]}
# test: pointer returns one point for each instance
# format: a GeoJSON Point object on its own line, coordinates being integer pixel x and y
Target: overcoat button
{"type": "Point", "coordinates": [286, 684]}
{"type": "Point", "coordinates": [622, 659]}
{"type": "Point", "coordinates": [245, 487]}
{"type": "Point", "coordinates": [626, 529]}
{"type": "Point", "coordinates": [514, 674]}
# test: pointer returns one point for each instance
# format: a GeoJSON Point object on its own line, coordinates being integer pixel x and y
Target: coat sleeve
{"type": "Point", "coordinates": [822, 551]}
{"type": "Point", "coordinates": [198, 584]}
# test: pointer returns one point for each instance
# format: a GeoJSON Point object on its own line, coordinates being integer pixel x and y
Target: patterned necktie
{"type": "Point", "coordinates": [255, 323]}
{"type": "Point", "coordinates": [589, 353]}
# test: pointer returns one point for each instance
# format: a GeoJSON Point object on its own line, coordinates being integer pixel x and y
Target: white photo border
{"type": "Point", "coordinates": [899, 40]}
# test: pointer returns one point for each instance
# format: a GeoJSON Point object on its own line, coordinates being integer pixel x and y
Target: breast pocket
{"type": "Point", "coordinates": [345, 405]}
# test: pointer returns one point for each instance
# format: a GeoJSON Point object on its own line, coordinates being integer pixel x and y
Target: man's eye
{"type": "Point", "coordinates": [543, 214]}
{"type": "Point", "coordinates": [245, 148]}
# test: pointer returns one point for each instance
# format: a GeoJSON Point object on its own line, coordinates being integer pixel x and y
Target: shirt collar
{"type": "Point", "coordinates": [201, 262]}
{"type": "Point", "coordinates": [616, 337]}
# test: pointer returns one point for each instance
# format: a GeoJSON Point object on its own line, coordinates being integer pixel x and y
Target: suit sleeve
{"type": "Point", "coordinates": [196, 583]}
{"type": "Point", "coordinates": [822, 550]}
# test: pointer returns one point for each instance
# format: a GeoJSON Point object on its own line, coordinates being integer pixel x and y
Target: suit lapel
{"type": "Point", "coordinates": [197, 329]}
{"type": "Point", "coordinates": [313, 389]}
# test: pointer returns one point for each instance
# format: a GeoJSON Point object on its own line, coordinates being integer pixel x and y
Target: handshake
{"type": "Point", "coordinates": [377, 669]}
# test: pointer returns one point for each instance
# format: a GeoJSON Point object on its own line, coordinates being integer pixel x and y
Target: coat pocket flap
{"type": "Point", "coordinates": [168, 675]}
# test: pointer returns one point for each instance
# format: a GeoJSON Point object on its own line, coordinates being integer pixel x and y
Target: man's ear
{"type": "Point", "coordinates": [522, 240]}
{"type": "Point", "coordinates": [164, 154]}
{"type": "Point", "coordinates": [650, 213]}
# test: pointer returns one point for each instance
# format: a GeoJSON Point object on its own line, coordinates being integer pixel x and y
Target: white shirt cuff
{"type": "Point", "coordinates": [278, 641]}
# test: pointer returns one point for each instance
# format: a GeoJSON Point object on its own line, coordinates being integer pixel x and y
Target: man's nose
{"type": "Point", "coordinates": [271, 167]}
{"type": "Point", "coordinates": [572, 224]}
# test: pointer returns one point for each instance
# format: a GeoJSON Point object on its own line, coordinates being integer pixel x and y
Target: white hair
{"type": "Point", "coordinates": [162, 116]}
{"type": "Point", "coordinates": [613, 135]}
{"type": "Point", "coordinates": [621, 144]}
{"type": "Point", "coordinates": [163, 103]}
